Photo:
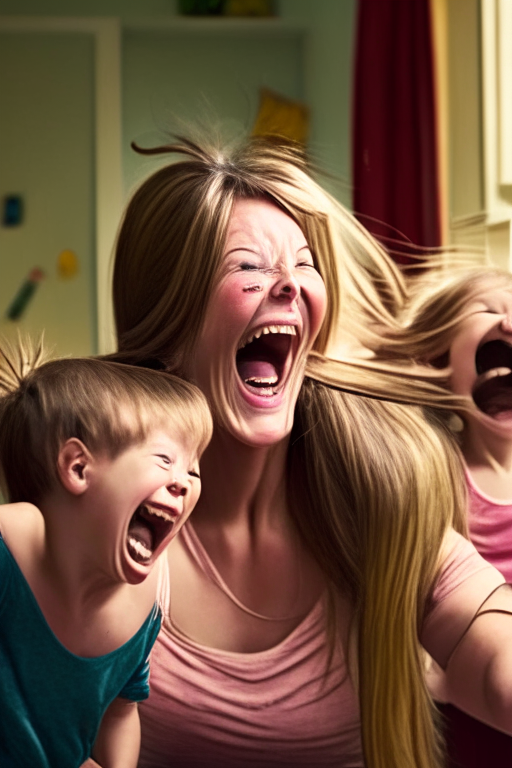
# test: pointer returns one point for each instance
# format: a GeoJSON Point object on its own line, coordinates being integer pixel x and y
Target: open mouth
{"type": "Point", "coordinates": [262, 359]}
{"type": "Point", "coordinates": [492, 392]}
{"type": "Point", "coordinates": [148, 527]}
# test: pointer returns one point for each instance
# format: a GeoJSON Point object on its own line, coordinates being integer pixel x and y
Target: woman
{"type": "Point", "coordinates": [310, 567]}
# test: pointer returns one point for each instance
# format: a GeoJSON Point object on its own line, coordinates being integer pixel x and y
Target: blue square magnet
{"type": "Point", "coordinates": [13, 211]}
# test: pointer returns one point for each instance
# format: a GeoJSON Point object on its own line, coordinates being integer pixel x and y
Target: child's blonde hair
{"type": "Point", "coordinates": [109, 406]}
{"type": "Point", "coordinates": [438, 303]}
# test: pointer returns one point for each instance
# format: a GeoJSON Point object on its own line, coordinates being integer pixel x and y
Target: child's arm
{"type": "Point", "coordinates": [118, 741]}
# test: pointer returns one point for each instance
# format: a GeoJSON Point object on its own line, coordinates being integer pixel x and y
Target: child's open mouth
{"type": "Point", "coordinates": [492, 392]}
{"type": "Point", "coordinates": [149, 526]}
{"type": "Point", "coordinates": [262, 359]}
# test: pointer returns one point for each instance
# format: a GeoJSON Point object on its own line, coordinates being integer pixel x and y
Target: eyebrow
{"type": "Point", "coordinates": [248, 249]}
{"type": "Point", "coordinates": [242, 248]}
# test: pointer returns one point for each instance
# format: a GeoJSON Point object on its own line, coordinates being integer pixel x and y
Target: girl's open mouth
{"type": "Point", "coordinates": [148, 528]}
{"type": "Point", "coordinates": [264, 358]}
{"type": "Point", "coordinates": [492, 392]}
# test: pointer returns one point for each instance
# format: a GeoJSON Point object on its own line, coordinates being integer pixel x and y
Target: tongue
{"type": "Point", "coordinates": [256, 369]}
{"type": "Point", "coordinates": [141, 532]}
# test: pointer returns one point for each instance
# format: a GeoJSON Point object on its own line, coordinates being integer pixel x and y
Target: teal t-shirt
{"type": "Point", "coordinates": [51, 701]}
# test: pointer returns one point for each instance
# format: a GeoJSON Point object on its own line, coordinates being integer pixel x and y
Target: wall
{"type": "Point", "coordinates": [328, 62]}
{"type": "Point", "coordinates": [317, 71]}
{"type": "Point", "coordinates": [46, 156]}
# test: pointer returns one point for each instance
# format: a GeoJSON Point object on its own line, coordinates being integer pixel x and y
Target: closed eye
{"type": "Point", "coordinates": [249, 267]}
{"type": "Point", "coordinates": [193, 473]}
{"type": "Point", "coordinates": [165, 459]}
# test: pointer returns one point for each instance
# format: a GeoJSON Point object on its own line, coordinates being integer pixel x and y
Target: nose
{"type": "Point", "coordinates": [286, 287]}
{"type": "Point", "coordinates": [177, 488]}
{"type": "Point", "coordinates": [506, 324]}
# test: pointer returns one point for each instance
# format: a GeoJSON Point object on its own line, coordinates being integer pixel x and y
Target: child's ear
{"type": "Point", "coordinates": [73, 464]}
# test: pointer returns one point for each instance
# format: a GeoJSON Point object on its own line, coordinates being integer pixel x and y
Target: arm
{"type": "Point", "coordinates": [118, 742]}
{"type": "Point", "coordinates": [479, 671]}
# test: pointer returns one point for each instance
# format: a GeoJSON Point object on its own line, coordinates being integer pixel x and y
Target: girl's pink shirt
{"type": "Point", "coordinates": [210, 708]}
{"type": "Point", "coordinates": [490, 527]}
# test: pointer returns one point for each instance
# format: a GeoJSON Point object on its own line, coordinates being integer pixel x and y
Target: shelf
{"type": "Point", "coordinates": [215, 25]}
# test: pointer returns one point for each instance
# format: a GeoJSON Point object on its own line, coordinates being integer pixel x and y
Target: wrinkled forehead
{"type": "Point", "coordinates": [254, 216]}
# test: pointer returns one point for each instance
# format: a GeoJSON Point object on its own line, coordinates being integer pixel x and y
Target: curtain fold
{"type": "Point", "coordinates": [395, 162]}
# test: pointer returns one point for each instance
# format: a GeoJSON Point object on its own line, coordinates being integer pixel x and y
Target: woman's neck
{"type": "Point", "coordinates": [242, 484]}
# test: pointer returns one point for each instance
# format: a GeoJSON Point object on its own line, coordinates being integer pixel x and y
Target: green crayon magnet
{"type": "Point", "coordinates": [25, 293]}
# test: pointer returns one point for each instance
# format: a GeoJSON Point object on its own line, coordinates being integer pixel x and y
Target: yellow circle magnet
{"type": "Point", "coordinates": [67, 264]}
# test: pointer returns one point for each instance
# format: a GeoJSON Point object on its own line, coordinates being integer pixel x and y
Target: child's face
{"type": "Point", "coordinates": [142, 498]}
{"type": "Point", "coordinates": [481, 358]}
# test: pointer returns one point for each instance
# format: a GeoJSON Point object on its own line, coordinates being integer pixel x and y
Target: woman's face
{"type": "Point", "coordinates": [481, 358]}
{"type": "Point", "coordinates": [262, 319]}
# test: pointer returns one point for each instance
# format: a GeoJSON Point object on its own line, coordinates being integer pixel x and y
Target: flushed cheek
{"type": "Point", "coordinates": [234, 305]}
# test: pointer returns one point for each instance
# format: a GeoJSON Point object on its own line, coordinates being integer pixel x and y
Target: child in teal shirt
{"type": "Point", "coordinates": [99, 462]}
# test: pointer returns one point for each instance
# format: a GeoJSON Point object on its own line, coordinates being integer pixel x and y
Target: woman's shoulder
{"type": "Point", "coordinates": [463, 583]}
{"type": "Point", "coordinates": [459, 563]}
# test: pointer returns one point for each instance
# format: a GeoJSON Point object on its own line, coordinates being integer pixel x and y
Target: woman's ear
{"type": "Point", "coordinates": [73, 465]}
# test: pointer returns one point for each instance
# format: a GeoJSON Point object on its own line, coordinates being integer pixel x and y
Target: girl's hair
{"type": "Point", "coordinates": [384, 486]}
{"type": "Point", "coordinates": [438, 303]}
{"type": "Point", "coordinates": [107, 405]}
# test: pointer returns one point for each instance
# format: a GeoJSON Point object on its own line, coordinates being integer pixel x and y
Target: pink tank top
{"type": "Point", "coordinates": [210, 708]}
{"type": "Point", "coordinates": [490, 528]}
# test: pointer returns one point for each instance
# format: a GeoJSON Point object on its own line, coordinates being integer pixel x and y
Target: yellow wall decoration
{"type": "Point", "coordinates": [280, 116]}
{"type": "Point", "coordinates": [67, 264]}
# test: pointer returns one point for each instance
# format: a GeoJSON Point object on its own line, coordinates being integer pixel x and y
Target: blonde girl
{"type": "Point", "coordinates": [460, 323]}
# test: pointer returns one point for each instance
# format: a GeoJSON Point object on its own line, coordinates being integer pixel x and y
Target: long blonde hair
{"type": "Point", "coordinates": [384, 485]}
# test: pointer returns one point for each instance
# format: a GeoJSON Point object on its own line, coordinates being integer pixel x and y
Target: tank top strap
{"type": "Point", "coordinates": [163, 587]}
{"type": "Point", "coordinates": [203, 561]}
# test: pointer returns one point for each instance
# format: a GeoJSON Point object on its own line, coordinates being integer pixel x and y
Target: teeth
{"type": "Point", "coordinates": [287, 329]}
{"type": "Point", "coordinates": [143, 552]}
{"type": "Point", "coordinates": [260, 380]}
{"type": "Point", "coordinates": [157, 512]}
{"type": "Point", "coordinates": [493, 373]}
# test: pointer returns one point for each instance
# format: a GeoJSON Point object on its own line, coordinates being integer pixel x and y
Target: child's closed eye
{"type": "Point", "coordinates": [165, 459]}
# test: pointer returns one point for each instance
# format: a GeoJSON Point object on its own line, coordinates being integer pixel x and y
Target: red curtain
{"type": "Point", "coordinates": [395, 165]}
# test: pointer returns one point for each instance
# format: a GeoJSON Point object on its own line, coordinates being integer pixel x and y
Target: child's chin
{"type": "Point", "coordinates": [134, 572]}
